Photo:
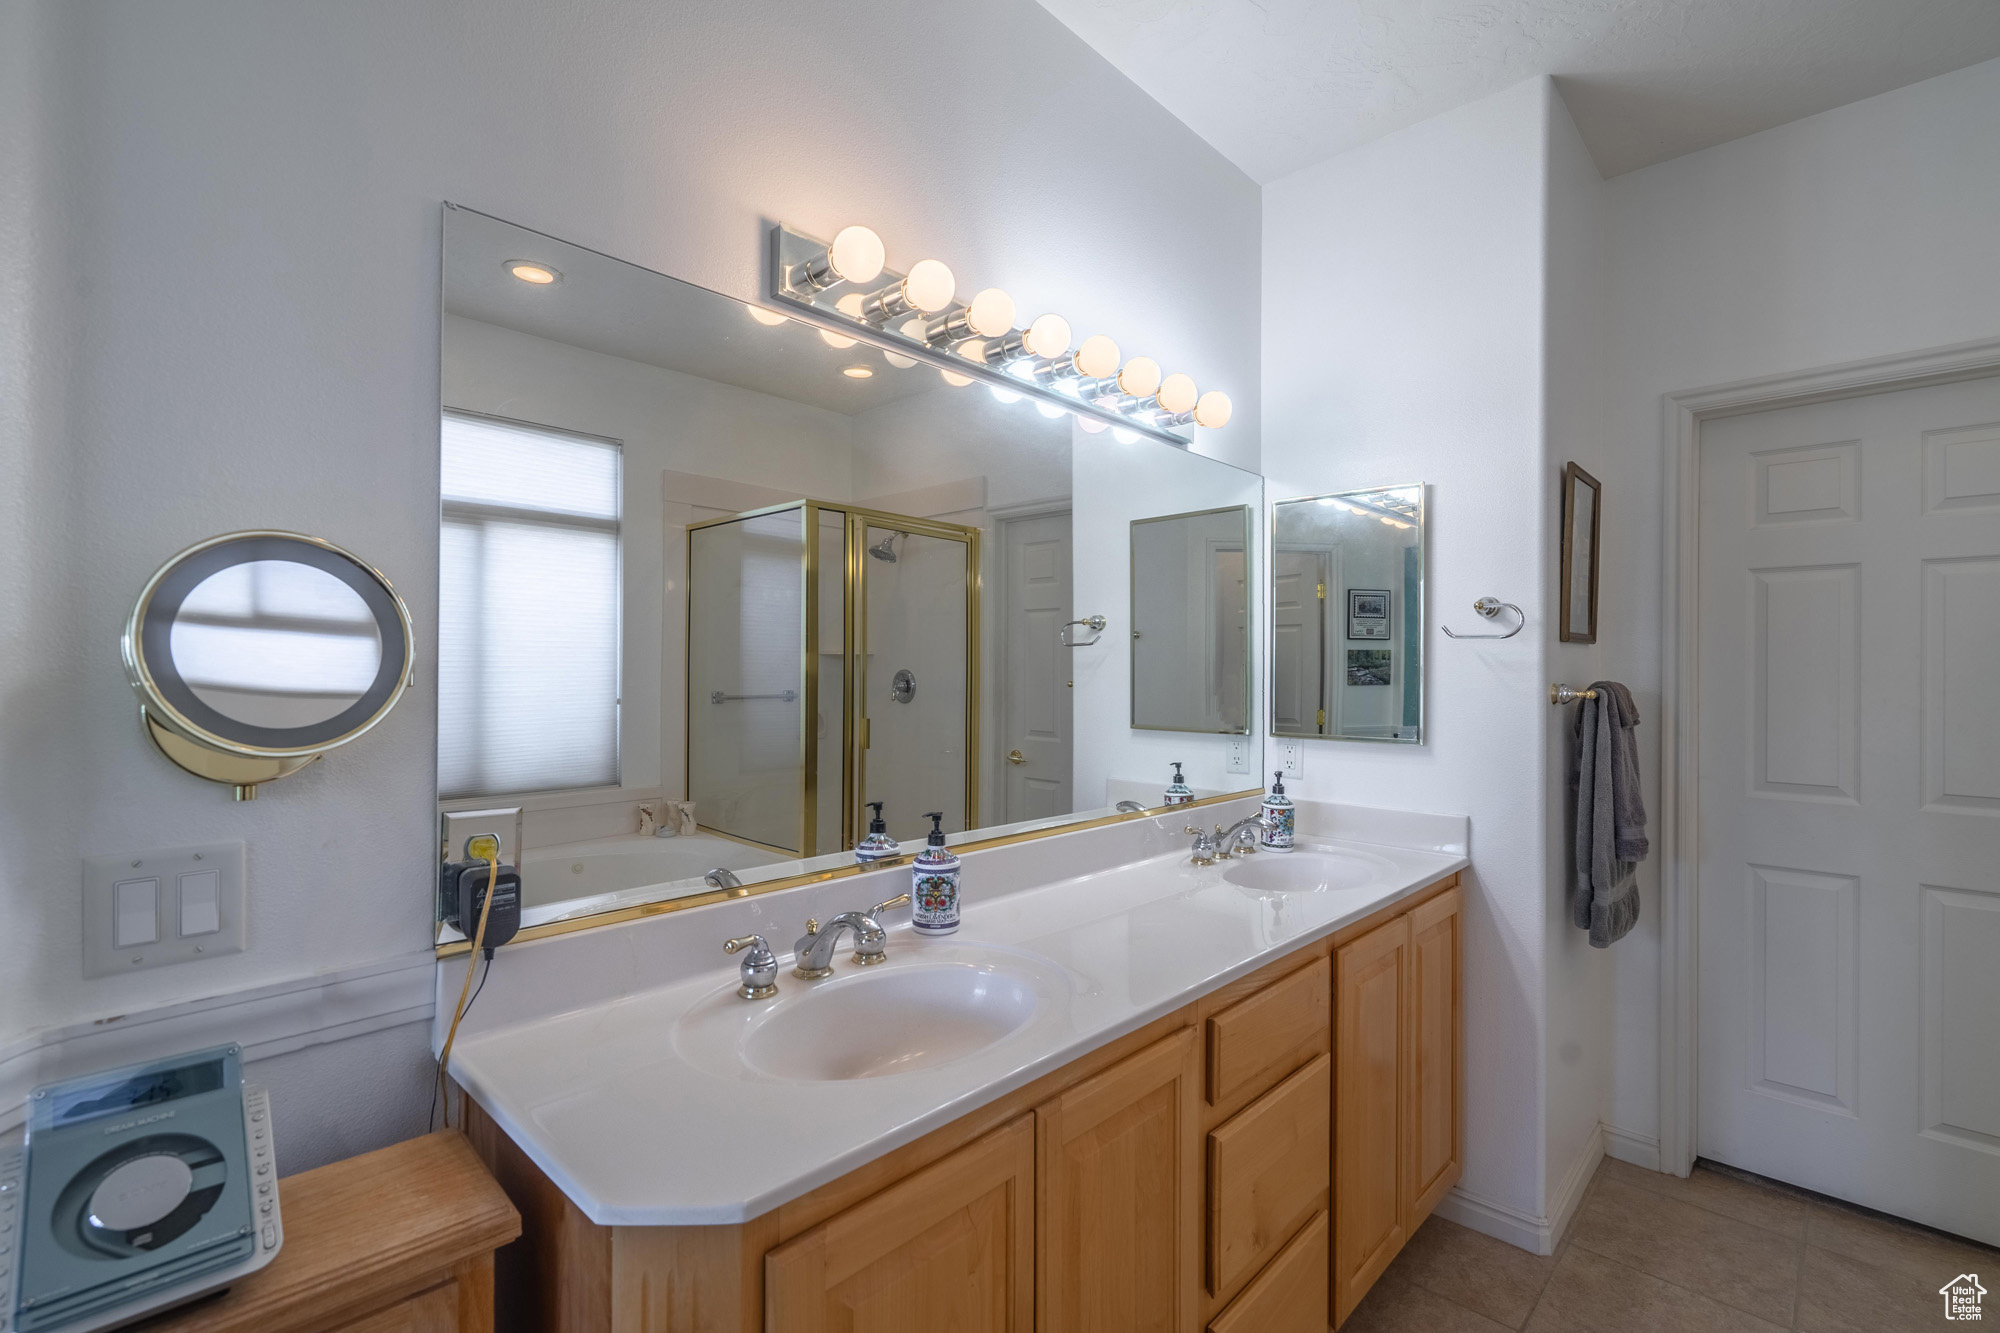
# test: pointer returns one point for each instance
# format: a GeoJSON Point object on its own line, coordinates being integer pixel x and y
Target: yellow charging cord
{"type": "Point", "coordinates": [471, 963]}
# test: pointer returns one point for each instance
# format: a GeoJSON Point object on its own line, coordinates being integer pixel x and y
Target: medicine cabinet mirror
{"type": "Point", "coordinates": [254, 653]}
{"type": "Point", "coordinates": [1191, 622]}
{"type": "Point", "coordinates": [1347, 616]}
{"type": "Point", "coordinates": [712, 573]}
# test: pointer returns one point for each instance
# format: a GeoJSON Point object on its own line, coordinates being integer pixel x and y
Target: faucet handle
{"type": "Point", "coordinates": [900, 900]}
{"type": "Point", "coordinates": [759, 968]}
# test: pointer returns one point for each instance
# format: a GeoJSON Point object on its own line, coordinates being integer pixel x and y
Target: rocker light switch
{"type": "Point", "coordinates": [171, 905]}
{"type": "Point", "coordinates": [135, 912]}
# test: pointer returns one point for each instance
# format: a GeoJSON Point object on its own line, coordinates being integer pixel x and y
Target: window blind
{"type": "Point", "coordinates": [528, 609]}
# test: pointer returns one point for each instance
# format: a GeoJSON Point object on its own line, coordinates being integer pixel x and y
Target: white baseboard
{"type": "Point", "coordinates": [1536, 1235]}
{"type": "Point", "coordinates": [1638, 1149]}
{"type": "Point", "coordinates": [264, 1020]}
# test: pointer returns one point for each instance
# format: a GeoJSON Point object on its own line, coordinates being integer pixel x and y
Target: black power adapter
{"type": "Point", "coordinates": [465, 896]}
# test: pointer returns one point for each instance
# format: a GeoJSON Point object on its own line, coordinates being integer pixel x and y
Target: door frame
{"type": "Point", "coordinates": [1684, 415]}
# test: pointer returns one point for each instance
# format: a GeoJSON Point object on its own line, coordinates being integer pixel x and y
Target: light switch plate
{"type": "Point", "coordinates": [1292, 756]}
{"type": "Point", "coordinates": [1237, 751]}
{"type": "Point", "coordinates": [223, 861]}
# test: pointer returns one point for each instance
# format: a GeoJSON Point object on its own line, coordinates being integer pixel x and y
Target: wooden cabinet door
{"type": "Point", "coordinates": [1118, 1197]}
{"type": "Point", "coordinates": [1431, 1126]}
{"type": "Point", "coordinates": [1371, 1053]}
{"type": "Point", "coordinates": [1267, 1175]}
{"type": "Point", "coordinates": [949, 1248]}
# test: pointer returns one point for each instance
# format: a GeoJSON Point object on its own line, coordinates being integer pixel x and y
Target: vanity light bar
{"type": "Point", "coordinates": [845, 289]}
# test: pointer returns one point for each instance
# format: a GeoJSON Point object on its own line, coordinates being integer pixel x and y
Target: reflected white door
{"type": "Point", "coordinates": [1035, 731]}
{"type": "Point", "coordinates": [1850, 800]}
{"type": "Point", "coordinates": [1298, 642]}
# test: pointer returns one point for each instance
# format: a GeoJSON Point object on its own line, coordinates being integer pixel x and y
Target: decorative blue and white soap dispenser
{"type": "Point", "coordinates": [1279, 817]}
{"type": "Point", "coordinates": [934, 884]}
{"type": "Point", "coordinates": [1178, 792]}
{"type": "Point", "coordinates": [878, 845]}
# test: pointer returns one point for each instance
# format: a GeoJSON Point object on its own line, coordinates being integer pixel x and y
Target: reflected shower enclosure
{"type": "Point", "coordinates": [832, 659]}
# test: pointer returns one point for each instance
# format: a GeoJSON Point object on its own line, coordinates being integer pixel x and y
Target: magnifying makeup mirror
{"type": "Point", "coordinates": [254, 653]}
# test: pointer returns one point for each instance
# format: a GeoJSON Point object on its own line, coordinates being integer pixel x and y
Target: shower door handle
{"type": "Point", "coordinates": [1016, 757]}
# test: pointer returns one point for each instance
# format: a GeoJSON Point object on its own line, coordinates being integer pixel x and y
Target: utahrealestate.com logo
{"type": "Point", "coordinates": [1961, 1296]}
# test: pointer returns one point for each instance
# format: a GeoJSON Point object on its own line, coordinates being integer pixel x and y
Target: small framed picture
{"type": "Point", "coordinates": [1368, 666]}
{"type": "Point", "coordinates": [1367, 613]}
{"type": "Point", "coordinates": [1582, 511]}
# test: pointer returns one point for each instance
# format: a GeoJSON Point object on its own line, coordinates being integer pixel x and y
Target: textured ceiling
{"type": "Point", "coordinates": [1277, 85]}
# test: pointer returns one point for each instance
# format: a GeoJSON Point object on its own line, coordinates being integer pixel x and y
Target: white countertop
{"type": "Point", "coordinates": [640, 1128]}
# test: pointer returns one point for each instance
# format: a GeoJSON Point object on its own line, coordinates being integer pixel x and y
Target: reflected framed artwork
{"type": "Point", "coordinates": [1582, 510]}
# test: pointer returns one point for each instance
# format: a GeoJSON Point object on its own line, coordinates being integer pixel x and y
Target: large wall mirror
{"type": "Point", "coordinates": [712, 582]}
{"type": "Point", "coordinates": [1191, 621]}
{"type": "Point", "coordinates": [1347, 616]}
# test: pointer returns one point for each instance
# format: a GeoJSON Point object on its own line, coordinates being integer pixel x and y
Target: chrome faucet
{"type": "Point", "coordinates": [815, 947]}
{"type": "Point", "coordinates": [1240, 838]}
{"type": "Point", "coordinates": [1130, 808]}
{"type": "Point", "coordinates": [759, 967]}
{"type": "Point", "coordinates": [1203, 851]}
{"type": "Point", "coordinates": [722, 879]}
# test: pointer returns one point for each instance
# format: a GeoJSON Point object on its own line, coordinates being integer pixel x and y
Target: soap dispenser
{"type": "Point", "coordinates": [1279, 817]}
{"type": "Point", "coordinates": [878, 845]}
{"type": "Point", "coordinates": [934, 884]}
{"type": "Point", "coordinates": [1178, 792]}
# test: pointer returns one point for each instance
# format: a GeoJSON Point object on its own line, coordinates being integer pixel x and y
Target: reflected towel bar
{"type": "Point", "coordinates": [718, 697]}
{"type": "Point", "coordinates": [1563, 694]}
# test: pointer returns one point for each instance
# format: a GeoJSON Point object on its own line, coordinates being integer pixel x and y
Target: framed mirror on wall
{"type": "Point", "coordinates": [1191, 622]}
{"type": "Point", "coordinates": [1582, 506]}
{"type": "Point", "coordinates": [1347, 617]}
{"type": "Point", "coordinates": [712, 573]}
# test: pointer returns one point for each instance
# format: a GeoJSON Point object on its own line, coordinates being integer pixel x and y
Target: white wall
{"type": "Point", "coordinates": [1414, 353]}
{"type": "Point", "coordinates": [1864, 231]}
{"type": "Point", "coordinates": [222, 312]}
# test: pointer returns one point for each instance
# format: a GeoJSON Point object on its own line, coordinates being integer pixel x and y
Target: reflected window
{"type": "Point", "coordinates": [528, 609]}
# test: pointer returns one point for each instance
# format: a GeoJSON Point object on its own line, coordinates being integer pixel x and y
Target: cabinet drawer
{"type": "Point", "coordinates": [1290, 1295]}
{"type": "Point", "coordinates": [1248, 1038]}
{"type": "Point", "coordinates": [1269, 1169]}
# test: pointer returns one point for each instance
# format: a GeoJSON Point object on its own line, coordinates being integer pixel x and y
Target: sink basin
{"type": "Point", "coordinates": [932, 1003]}
{"type": "Point", "coordinates": [1307, 871]}
{"type": "Point", "coordinates": [865, 1026]}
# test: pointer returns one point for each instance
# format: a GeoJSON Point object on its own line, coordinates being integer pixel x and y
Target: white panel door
{"type": "Point", "coordinates": [1299, 580]}
{"type": "Point", "coordinates": [1850, 800]}
{"type": "Point", "coordinates": [1035, 730]}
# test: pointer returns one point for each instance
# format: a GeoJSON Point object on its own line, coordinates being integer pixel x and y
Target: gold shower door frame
{"type": "Point", "coordinates": [854, 651]}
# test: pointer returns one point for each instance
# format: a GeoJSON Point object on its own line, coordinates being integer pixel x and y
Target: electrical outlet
{"type": "Point", "coordinates": [1292, 757]}
{"type": "Point", "coordinates": [1237, 752]}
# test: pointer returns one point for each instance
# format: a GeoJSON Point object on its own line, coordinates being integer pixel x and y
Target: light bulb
{"type": "Point", "coordinates": [856, 255]}
{"type": "Point", "coordinates": [1390, 521]}
{"type": "Point", "coordinates": [832, 339]}
{"type": "Point", "coordinates": [528, 271]}
{"type": "Point", "coordinates": [1140, 377]}
{"type": "Point", "coordinates": [1097, 358]}
{"type": "Point", "coordinates": [1092, 425]}
{"type": "Point", "coordinates": [857, 372]}
{"type": "Point", "coordinates": [768, 318]}
{"type": "Point", "coordinates": [1050, 410]}
{"type": "Point", "coordinates": [953, 378]}
{"type": "Point", "coordinates": [1047, 337]}
{"type": "Point", "coordinates": [898, 360]}
{"type": "Point", "coordinates": [1177, 394]}
{"type": "Point", "coordinates": [1123, 436]}
{"type": "Point", "coordinates": [991, 313]}
{"type": "Point", "coordinates": [1004, 395]}
{"type": "Point", "coordinates": [930, 286]}
{"type": "Point", "coordinates": [849, 305]}
{"type": "Point", "coordinates": [1329, 500]}
{"type": "Point", "coordinates": [1212, 409]}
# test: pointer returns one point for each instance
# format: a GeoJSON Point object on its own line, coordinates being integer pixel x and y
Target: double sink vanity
{"type": "Point", "coordinates": [1131, 1092]}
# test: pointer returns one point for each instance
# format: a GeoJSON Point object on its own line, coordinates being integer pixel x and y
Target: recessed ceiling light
{"type": "Point", "coordinates": [527, 270]}
{"type": "Point", "coordinates": [857, 372]}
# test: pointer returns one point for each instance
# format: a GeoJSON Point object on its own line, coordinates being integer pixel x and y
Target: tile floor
{"type": "Point", "coordinates": [1653, 1252]}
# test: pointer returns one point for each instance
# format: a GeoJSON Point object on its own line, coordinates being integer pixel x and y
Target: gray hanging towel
{"type": "Point", "coordinates": [1610, 837]}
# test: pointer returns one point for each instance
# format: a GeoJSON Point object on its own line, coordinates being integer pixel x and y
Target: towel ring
{"type": "Point", "coordinates": [1090, 622]}
{"type": "Point", "coordinates": [1490, 607]}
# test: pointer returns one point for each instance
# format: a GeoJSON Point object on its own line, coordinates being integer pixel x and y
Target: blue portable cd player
{"type": "Point", "coordinates": [137, 1189]}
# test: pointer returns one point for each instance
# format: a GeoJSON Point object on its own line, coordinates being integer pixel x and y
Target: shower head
{"type": "Point", "coordinates": [886, 548]}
